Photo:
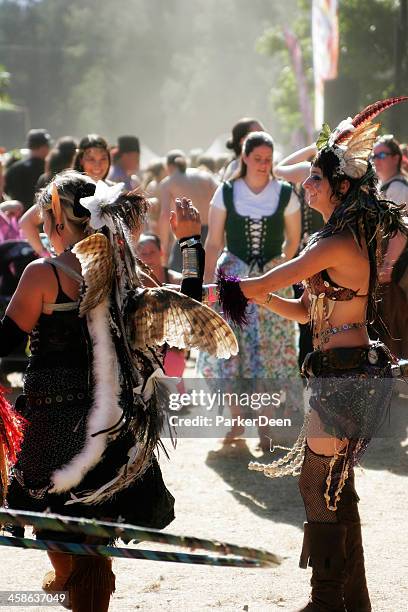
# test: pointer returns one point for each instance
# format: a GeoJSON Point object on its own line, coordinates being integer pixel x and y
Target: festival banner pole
{"type": "Point", "coordinates": [325, 39]}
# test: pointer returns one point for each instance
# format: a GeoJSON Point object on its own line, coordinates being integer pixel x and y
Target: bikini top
{"type": "Point", "coordinates": [324, 293]}
{"type": "Point", "coordinates": [320, 285]}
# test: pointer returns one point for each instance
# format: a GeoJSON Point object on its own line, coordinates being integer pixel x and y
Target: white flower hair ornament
{"type": "Point", "coordinates": [104, 196]}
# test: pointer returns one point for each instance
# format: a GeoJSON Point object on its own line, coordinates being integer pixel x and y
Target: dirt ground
{"type": "Point", "coordinates": [217, 497]}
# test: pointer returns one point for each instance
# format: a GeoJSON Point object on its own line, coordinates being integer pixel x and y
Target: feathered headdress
{"type": "Point", "coordinates": [353, 139]}
{"type": "Point", "coordinates": [371, 218]}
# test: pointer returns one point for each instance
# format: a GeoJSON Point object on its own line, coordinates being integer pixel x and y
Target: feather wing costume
{"type": "Point", "coordinates": [162, 316]}
{"type": "Point", "coordinates": [154, 316]}
{"type": "Point", "coordinates": [95, 256]}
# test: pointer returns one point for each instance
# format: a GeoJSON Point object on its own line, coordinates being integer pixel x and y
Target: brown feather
{"type": "Point", "coordinates": [95, 256]}
{"type": "Point", "coordinates": [371, 111]}
{"type": "Point", "coordinates": [166, 316]}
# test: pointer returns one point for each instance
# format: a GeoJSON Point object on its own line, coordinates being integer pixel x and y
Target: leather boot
{"type": "Point", "coordinates": [91, 583]}
{"type": "Point", "coordinates": [324, 547]}
{"type": "Point", "coordinates": [356, 595]}
{"type": "Point", "coordinates": [55, 580]}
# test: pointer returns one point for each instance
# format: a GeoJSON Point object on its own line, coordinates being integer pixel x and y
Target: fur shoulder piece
{"type": "Point", "coordinates": [158, 316]}
{"type": "Point", "coordinates": [95, 256]}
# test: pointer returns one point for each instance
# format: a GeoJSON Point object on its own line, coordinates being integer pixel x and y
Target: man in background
{"type": "Point", "coordinates": [196, 185]}
{"type": "Point", "coordinates": [126, 161]}
{"type": "Point", "coordinates": [21, 177]}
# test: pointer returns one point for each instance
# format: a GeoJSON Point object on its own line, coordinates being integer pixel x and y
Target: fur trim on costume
{"type": "Point", "coordinates": [105, 411]}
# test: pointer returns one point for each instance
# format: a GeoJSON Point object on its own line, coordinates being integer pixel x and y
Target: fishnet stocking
{"type": "Point", "coordinates": [312, 485]}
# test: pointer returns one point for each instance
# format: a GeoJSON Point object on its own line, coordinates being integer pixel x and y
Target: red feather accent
{"type": "Point", "coordinates": [369, 113]}
{"type": "Point", "coordinates": [11, 428]}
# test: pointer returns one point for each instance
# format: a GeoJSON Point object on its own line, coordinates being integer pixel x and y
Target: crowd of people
{"type": "Point", "coordinates": [317, 239]}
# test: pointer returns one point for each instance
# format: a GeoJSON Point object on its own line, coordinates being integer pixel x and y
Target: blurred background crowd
{"type": "Point", "coordinates": [109, 91]}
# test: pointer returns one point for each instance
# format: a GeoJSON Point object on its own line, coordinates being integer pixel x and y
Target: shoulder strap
{"type": "Point", "coordinates": [56, 275]}
{"type": "Point", "coordinates": [67, 269]}
{"type": "Point", "coordinates": [285, 193]}
{"type": "Point", "coordinates": [228, 195]}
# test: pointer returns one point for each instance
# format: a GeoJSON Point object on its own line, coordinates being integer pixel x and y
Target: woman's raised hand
{"type": "Point", "coordinates": [185, 220]}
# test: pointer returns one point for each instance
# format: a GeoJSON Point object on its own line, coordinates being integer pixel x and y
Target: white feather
{"type": "Point", "coordinates": [105, 410]}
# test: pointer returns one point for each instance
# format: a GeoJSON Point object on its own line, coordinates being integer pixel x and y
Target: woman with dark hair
{"type": "Point", "coordinates": [349, 378]}
{"type": "Point", "coordinates": [93, 404]}
{"type": "Point", "coordinates": [58, 159]}
{"type": "Point", "coordinates": [93, 157]}
{"type": "Point", "coordinates": [258, 218]}
{"type": "Point", "coordinates": [238, 134]}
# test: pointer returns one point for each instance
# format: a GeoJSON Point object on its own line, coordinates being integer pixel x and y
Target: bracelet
{"type": "Point", "coordinates": [189, 242]}
{"type": "Point", "coordinates": [269, 297]}
{"type": "Point", "coordinates": [190, 263]}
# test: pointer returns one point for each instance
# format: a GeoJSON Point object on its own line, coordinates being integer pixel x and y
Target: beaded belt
{"type": "Point", "coordinates": [344, 358]}
{"type": "Point", "coordinates": [325, 335]}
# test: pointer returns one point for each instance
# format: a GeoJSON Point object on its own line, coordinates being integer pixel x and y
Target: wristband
{"type": "Point", "coordinates": [191, 265]}
{"type": "Point", "coordinates": [189, 241]}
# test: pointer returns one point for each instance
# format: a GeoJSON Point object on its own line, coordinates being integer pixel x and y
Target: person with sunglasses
{"type": "Point", "coordinates": [387, 158]}
{"type": "Point", "coordinates": [393, 274]}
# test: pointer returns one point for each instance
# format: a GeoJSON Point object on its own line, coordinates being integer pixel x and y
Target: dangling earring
{"type": "Point", "coordinates": [58, 228]}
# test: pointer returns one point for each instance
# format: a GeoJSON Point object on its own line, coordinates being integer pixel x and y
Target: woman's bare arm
{"type": "Point", "coordinates": [292, 309]}
{"type": "Point", "coordinates": [29, 224]}
{"type": "Point", "coordinates": [215, 241]}
{"type": "Point", "coordinates": [27, 302]}
{"type": "Point", "coordinates": [295, 168]}
{"type": "Point", "coordinates": [324, 254]}
{"type": "Point", "coordinates": [292, 234]}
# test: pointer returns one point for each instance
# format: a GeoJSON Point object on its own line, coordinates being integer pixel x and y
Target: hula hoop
{"type": "Point", "coordinates": [226, 554]}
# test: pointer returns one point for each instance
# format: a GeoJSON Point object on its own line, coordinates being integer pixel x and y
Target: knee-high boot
{"type": "Point", "coordinates": [324, 546]}
{"type": "Point", "coordinates": [356, 595]}
{"type": "Point", "coordinates": [55, 580]}
{"type": "Point", "coordinates": [91, 583]}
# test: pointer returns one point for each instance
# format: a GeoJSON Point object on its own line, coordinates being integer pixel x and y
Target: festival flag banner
{"type": "Point", "coordinates": [295, 50]}
{"type": "Point", "coordinates": [325, 37]}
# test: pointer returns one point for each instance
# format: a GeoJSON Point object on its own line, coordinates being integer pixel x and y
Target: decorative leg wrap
{"type": "Point", "coordinates": [91, 583]}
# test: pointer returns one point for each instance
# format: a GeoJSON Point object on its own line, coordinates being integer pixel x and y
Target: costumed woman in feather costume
{"type": "Point", "coordinates": [349, 379]}
{"type": "Point", "coordinates": [93, 400]}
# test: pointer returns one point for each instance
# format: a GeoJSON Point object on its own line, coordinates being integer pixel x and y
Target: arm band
{"type": "Point", "coordinates": [11, 336]}
{"type": "Point", "coordinates": [193, 267]}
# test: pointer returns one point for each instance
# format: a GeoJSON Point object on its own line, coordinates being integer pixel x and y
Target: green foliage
{"type": "Point", "coordinates": [366, 60]}
{"type": "Point", "coordinates": [4, 85]}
